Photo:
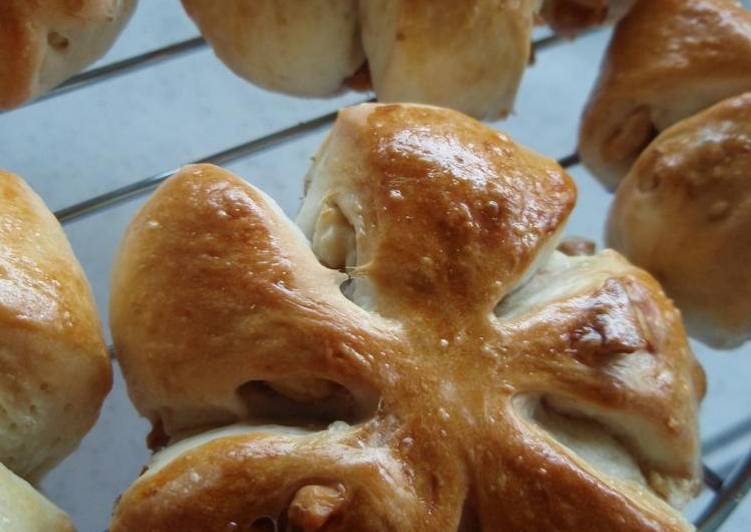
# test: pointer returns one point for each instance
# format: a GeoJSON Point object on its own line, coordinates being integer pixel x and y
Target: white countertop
{"type": "Point", "coordinates": [90, 141]}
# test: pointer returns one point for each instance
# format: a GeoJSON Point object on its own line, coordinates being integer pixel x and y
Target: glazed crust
{"type": "Point", "coordinates": [467, 55]}
{"type": "Point", "coordinates": [55, 368]}
{"type": "Point", "coordinates": [576, 246]}
{"type": "Point", "coordinates": [684, 213]}
{"type": "Point", "coordinates": [666, 61]}
{"type": "Point", "coordinates": [440, 219]}
{"type": "Point", "coordinates": [44, 42]}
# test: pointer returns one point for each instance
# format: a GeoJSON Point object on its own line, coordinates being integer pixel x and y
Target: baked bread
{"type": "Point", "coordinates": [570, 17]}
{"type": "Point", "coordinates": [23, 509]}
{"type": "Point", "coordinates": [684, 214]}
{"type": "Point", "coordinates": [481, 380]}
{"type": "Point", "coordinates": [55, 368]}
{"type": "Point", "coordinates": [304, 48]}
{"type": "Point", "coordinates": [666, 61]}
{"type": "Point", "coordinates": [43, 43]}
{"type": "Point", "coordinates": [468, 55]}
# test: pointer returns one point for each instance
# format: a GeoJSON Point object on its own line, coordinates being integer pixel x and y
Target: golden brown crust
{"type": "Point", "coordinates": [287, 301]}
{"type": "Point", "coordinates": [44, 43]}
{"type": "Point", "coordinates": [666, 61]}
{"type": "Point", "coordinates": [440, 207]}
{"type": "Point", "coordinates": [55, 368]}
{"type": "Point", "coordinates": [212, 281]}
{"type": "Point", "coordinates": [684, 213]}
{"type": "Point", "coordinates": [207, 488]}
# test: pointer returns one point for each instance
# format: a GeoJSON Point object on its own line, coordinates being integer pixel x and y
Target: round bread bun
{"type": "Point", "coordinates": [684, 214]}
{"type": "Point", "coordinates": [487, 381]}
{"type": "Point", "coordinates": [467, 55]}
{"type": "Point", "coordinates": [666, 61]}
{"type": "Point", "coordinates": [43, 43]}
{"type": "Point", "coordinates": [55, 368]}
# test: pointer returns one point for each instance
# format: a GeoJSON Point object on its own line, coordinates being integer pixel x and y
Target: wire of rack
{"type": "Point", "coordinates": [727, 492]}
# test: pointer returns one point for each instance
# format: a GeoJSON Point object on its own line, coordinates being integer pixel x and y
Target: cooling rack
{"type": "Point", "coordinates": [723, 493]}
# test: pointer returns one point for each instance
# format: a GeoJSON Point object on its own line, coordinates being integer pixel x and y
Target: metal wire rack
{"type": "Point", "coordinates": [727, 492]}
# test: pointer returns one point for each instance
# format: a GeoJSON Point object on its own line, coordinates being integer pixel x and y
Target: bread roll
{"type": "Point", "coordinates": [666, 61]}
{"type": "Point", "coordinates": [570, 17]}
{"type": "Point", "coordinates": [684, 214]}
{"type": "Point", "coordinates": [55, 368]}
{"type": "Point", "coordinates": [43, 43]}
{"type": "Point", "coordinates": [467, 55]}
{"type": "Point", "coordinates": [305, 48]}
{"type": "Point", "coordinates": [488, 382]}
{"type": "Point", "coordinates": [23, 509]}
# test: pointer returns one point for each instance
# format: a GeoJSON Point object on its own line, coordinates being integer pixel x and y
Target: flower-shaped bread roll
{"type": "Point", "coordinates": [43, 43]}
{"type": "Point", "coordinates": [666, 61]}
{"type": "Point", "coordinates": [684, 214]}
{"type": "Point", "coordinates": [484, 380]}
{"type": "Point", "coordinates": [469, 55]}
